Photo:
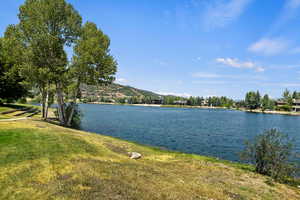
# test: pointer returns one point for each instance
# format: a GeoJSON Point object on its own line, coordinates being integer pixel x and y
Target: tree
{"type": "Point", "coordinates": [12, 86]}
{"type": "Point", "coordinates": [30, 64]}
{"type": "Point", "coordinates": [286, 94]}
{"type": "Point", "coordinates": [251, 100]}
{"type": "Point", "coordinates": [287, 97]}
{"type": "Point", "coordinates": [47, 26]}
{"type": "Point", "coordinates": [266, 103]}
{"type": "Point", "coordinates": [296, 95]}
{"type": "Point", "coordinates": [271, 152]}
{"type": "Point", "coordinates": [92, 62]}
{"type": "Point", "coordinates": [257, 99]}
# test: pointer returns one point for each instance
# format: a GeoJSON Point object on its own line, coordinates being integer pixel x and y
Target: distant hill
{"type": "Point", "coordinates": [114, 91]}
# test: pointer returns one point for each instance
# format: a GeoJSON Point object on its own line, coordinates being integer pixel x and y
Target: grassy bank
{"type": "Point", "coordinates": [39, 160]}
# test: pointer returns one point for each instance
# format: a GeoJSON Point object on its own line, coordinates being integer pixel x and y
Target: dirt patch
{"type": "Point", "coordinates": [234, 195]}
{"type": "Point", "coordinates": [40, 126]}
{"type": "Point", "coordinates": [117, 149]}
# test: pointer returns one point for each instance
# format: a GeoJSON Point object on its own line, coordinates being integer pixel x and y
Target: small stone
{"type": "Point", "coordinates": [135, 155]}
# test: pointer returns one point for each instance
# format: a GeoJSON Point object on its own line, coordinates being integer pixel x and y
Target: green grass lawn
{"type": "Point", "coordinates": [8, 107]}
{"type": "Point", "coordinates": [3, 117]}
{"type": "Point", "coordinates": [5, 108]}
{"type": "Point", "coordinates": [19, 109]}
{"type": "Point", "coordinates": [39, 160]}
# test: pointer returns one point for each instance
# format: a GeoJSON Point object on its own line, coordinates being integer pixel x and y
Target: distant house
{"type": "Point", "coordinates": [204, 102]}
{"type": "Point", "coordinates": [180, 102]}
{"type": "Point", "coordinates": [156, 101]}
{"type": "Point", "coordinates": [295, 105]}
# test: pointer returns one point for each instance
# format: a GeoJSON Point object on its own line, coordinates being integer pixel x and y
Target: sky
{"type": "Point", "coordinates": [197, 47]}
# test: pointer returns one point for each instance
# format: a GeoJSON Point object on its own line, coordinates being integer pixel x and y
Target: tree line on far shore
{"type": "Point", "coordinates": [253, 100]}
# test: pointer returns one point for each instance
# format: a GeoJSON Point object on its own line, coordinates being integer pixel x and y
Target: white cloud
{"type": "Point", "coordinates": [205, 75]}
{"type": "Point", "coordinates": [234, 62]}
{"type": "Point", "coordinates": [121, 81]}
{"type": "Point", "coordinates": [174, 94]}
{"type": "Point", "coordinates": [267, 46]}
{"type": "Point", "coordinates": [221, 13]}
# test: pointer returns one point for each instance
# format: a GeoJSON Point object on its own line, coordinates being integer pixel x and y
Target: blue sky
{"type": "Point", "coordinates": [197, 47]}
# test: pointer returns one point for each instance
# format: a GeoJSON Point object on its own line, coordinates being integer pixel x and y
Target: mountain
{"type": "Point", "coordinates": [114, 91]}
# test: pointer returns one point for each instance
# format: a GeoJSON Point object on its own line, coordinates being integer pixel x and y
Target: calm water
{"type": "Point", "coordinates": [218, 133]}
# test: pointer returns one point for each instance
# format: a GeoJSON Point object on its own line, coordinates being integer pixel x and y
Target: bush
{"type": "Point", "coordinates": [76, 119]}
{"type": "Point", "coordinates": [284, 108]}
{"type": "Point", "coordinates": [271, 153]}
{"type": "Point", "coordinates": [22, 101]}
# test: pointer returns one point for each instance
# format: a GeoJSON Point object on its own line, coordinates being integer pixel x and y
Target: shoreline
{"type": "Point", "coordinates": [204, 107]}
{"type": "Point", "coordinates": [273, 112]}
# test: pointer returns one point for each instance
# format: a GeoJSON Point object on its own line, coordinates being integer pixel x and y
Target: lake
{"type": "Point", "coordinates": [212, 132]}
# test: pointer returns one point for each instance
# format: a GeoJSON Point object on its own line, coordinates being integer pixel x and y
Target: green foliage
{"type": "Point", "coordinates": [220, 102]}
{"type": "Point", "coordinates": [296, 95]}
{"type": "Point", "coordinates": [287, 97]}
{"type": "Point", "coordinates": [76, 117]}
{"type": "Point", "coordinates": [22, 101]}
{"type": "Point", "coordinates": [11, 84]}
{"type": "Point", "coordinates": [286, 108]}
{"type": "Point", "coordinates": [252, 100]}
{"type": "Point", "coordinates": [267, 103]}
{"type": "Point", "coordinates": [271, 152]}
{"type": "Point", "coordinates": [46, 26]}
{"type": "Point", "coordinates": [92, 62]}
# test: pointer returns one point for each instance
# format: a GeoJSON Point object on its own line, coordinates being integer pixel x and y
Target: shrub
{"type": "Point", "coordinates": [76, 119]}
{"type": "Point", "coordinates": [284, 108]}
{"type": "Point", "coordinates": [77, 115]}
{"type": "Point", "coordinates": [271, 153]}
{"type": "Point", "coordinates": [22, 101]}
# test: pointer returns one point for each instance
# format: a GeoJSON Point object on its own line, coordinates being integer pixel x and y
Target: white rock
{"type": "Point", "coordinates": [135, 155]}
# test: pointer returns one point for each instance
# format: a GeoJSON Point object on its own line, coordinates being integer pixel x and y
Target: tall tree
{"type": "Point", "coordinates": [92, 62]}
{"type": "Point", "coordinates": [257, 99]}
{"type": "Point", "coordinates": [287, 97]}
{"type": "Point", "coordinates": [12, 86]}
{"type": "Point", "coordinates": [251, 100]}
{"type": "Point", "coordinates": [47, 27]}
{"type": "Point", "coordinates": [296, 95]}
{"type": "Point", "coordinates": [265, 103]}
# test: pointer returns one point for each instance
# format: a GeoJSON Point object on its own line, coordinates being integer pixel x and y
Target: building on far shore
{"type": "Point", "coordinates": [180, 102]}
{"type": "Point", "coordinates": [157, 101]}
{"type": "Point", "coordinates": [295, 105]}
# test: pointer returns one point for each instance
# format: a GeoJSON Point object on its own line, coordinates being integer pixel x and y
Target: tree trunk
{"type": "Point", "coordinates": [61, 104]}
{"type": "Point", "coordinates": [46, 102]}
{"type": "Point", "coordinates": [70, 117]}
{"type": "Point", "coordinates": [43, 102]}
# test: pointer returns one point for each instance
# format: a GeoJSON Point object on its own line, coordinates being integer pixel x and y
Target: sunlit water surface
{"type": "Point", "coordinates": [213, 132]}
